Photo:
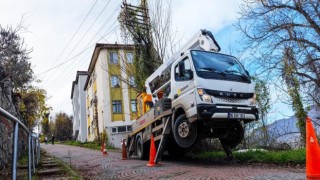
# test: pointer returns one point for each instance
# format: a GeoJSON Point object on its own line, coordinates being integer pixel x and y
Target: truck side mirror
{"type": "Point", "coordinates": [181, 69]}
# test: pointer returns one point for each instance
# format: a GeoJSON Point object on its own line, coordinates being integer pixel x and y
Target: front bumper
{"type": "Point", "coordinates": [221, 112]}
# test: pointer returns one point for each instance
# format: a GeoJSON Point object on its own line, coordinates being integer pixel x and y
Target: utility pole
{"type": "Point", "coordinates": [137, 20]}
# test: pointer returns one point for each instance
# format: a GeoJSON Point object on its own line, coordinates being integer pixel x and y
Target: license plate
{"type": "Point", "coordinates": [236, 115]}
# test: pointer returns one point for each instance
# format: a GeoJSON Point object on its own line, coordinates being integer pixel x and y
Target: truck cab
{"type": "Point", "coordinates": [213, 92]}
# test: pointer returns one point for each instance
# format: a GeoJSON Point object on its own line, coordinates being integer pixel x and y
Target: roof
{"type": "Point", "coordinates": [77, 79]}
{"type": "Point", "coordinates": [95, 55]}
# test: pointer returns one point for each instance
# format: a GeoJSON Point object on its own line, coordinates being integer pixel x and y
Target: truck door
{"type": "Point", "coordinates": [183, 85]}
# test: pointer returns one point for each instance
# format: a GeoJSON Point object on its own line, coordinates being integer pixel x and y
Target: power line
{"type": "Point", "coordinates": [105, 23]}
{"type": "Point", "coordinates": [107, 33]}
{"type": "Point", "coordinates": [77, 44]}
{"type": "Point", "coordinates": [77, 54]}
{"type": "Point", "coordinates": [74, 34]}
{"type": "Point", "coordinates": [50, 69]}
{"type": "Point", "coordinates": [83, 58]}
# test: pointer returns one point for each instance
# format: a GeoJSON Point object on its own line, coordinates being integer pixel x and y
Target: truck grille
{"type": "Point", "coordinates": [230, 100]}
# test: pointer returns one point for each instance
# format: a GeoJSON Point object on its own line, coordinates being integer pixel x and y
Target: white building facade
{"type": "Point", "coordinates": [78, 97]}
{"type": "Point", "coordinates": [110, 96]}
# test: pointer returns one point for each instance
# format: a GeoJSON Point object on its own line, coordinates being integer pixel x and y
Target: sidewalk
{"type": "Point", "coordinates": [91, 164]}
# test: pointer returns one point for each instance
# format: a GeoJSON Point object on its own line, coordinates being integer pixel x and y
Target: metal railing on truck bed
{"type": "Point", "coordinates": [33, 144]}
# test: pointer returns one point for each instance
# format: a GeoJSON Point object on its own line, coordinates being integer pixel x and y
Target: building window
{"type": "Point", "coordinates": [89, 130]}
{"type": "Point", "coordinates": [133, 105]}
{"type": "Point", "coordinates": [129, 57]}
{"type": "Point", "coordinates": [113, 57]}
{"type": "Point", "coordinates": [131, 81]}
{"type": "Point", "coordinates": [115, 83]}
{"type": "Point", "coordinates": [121, 129]}
{"type": "Point", "coordinates": [116, 107]}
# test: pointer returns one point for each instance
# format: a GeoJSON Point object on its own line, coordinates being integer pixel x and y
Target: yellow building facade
{"type": "Point", "coordinates": [111, 97]}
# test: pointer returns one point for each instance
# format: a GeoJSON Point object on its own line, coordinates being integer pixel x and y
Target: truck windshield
{"type": "Point", "coordinates": [212, 65]}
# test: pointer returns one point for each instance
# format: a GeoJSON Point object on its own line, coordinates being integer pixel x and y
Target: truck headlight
{"type": "Point", "coordinates": [253, 100]}
{"type": "Point", "coordinates": [204, 96]}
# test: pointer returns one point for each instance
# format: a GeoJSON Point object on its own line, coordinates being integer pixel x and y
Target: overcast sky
{"type": "Point", "coordinates": [51, 24]}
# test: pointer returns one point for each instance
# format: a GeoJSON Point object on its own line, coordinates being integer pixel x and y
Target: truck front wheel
{"type": "Point", "coordinates": [184, 133]}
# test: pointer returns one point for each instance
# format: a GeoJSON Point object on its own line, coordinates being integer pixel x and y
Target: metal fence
{"type": "Point", "coordinates": [33, 145]}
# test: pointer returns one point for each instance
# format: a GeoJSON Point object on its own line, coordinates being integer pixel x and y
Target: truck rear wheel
{"type": "Point", "coordinates": [185, 134]}
{"type": "Point", "coordinates": [142, 149]}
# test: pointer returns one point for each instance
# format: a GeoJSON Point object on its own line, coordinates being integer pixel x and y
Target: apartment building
{"type": "Point", "coordinates": [78, 98]}
{"type": "Point", "coordinates": [110, 95]}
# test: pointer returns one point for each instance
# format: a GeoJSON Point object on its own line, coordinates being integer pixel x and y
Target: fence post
{"type": "Point", "coordinates": [29, 157]}
{"type": "Point", "coordinates": [33, 161]}
{"type": "Point", "coordinates": [38, 151]}
{"type": "Point", "coordinates": [15, 151]}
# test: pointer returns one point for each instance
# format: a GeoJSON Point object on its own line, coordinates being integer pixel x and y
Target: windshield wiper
{"type": "Point", "coordinates": [238, 73]}
{"type": "Point", "coordinates": [214, 70]}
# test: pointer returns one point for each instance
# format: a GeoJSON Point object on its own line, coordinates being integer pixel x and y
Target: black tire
{"type": "Point", "coordinates": [185, 134]}
{"type": "Point", "coordinates": [235, 136]}
{"type": "Point", "coordinates": [142, 149]}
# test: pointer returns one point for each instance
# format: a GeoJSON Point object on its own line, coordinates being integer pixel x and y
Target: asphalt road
{"type": "Point", "coordinates": [91, 164]}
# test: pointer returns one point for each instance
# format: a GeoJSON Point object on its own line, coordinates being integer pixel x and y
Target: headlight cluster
{"type": "Point", "coordinates": [253, 100]}
{"type": "Point", "coordinates": [204, 96]}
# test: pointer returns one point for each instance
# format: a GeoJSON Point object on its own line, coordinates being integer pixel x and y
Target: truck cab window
{"type": "Point", "coordinates": [183, 70]}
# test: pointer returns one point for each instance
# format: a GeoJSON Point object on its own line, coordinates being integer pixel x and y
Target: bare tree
{"type": "Point", "coordinates": [269, 29]}
{"type": "Point", "coordinates": [164, 38]}
{"type": "Point", "coordinates": [14, 57]}
{"type": "Point", "coordinates": [270, 26]}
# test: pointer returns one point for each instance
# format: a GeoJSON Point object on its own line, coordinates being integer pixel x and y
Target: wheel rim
{"type": "Point", "coordinates": [183, 130]}
{"type": "Point", "coordinates": [185, 133]}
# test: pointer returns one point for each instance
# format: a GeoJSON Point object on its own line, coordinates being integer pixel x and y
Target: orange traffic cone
{"type": "Point", "coordinates": [104, 149]}
{"type": "Point", "coordinates": [153, 152]}
{"type": "Point", "coordinates": [312, 152]}
{"type": "Point", "coordinates": [124, 150]}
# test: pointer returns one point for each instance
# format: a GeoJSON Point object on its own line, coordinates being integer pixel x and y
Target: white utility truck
{"type": "Point", "coordinates": [198, 93]}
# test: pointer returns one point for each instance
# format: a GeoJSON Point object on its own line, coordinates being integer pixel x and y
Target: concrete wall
{"type": "Point", "coordinates": [75, 105]}
{"type": "Point", "coordinates": [82, 108]}
{"type": "Point", "coordinates": [79, 108]}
